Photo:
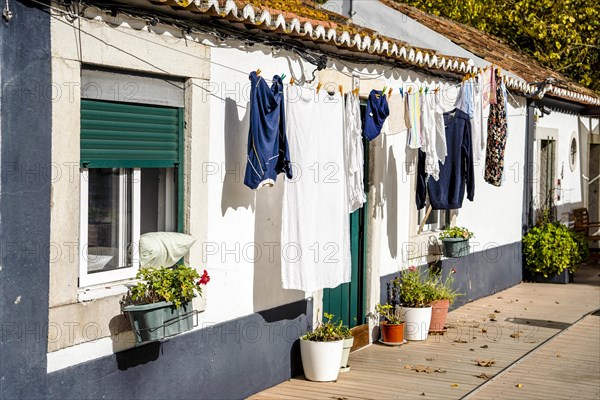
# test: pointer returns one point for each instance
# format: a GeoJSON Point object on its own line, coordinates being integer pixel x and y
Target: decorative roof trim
{"type": "Point", "coordinates": [325, 31]}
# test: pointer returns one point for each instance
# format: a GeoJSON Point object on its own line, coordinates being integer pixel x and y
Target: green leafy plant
{"type": "Point", "coordinates": [178, 285]}
{"type": "Point", "coordinates": [328, 331]}
{"type": "Point", "coordinates": [456, 232]}
{"type": "Point", "coordinates": [411, 289]}
{"type": "Point", "coordinates": [550, 248]}
{"type": "Point", "coordinates": [388, 312]}
{"type": "Point", "coordinates": [443, 289]}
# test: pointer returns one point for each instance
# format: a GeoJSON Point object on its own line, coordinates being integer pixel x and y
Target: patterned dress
{"type": "Point", "coordinates": [496, 139]}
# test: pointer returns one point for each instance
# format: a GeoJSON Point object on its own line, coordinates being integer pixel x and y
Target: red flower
{"type": "Point", "coordinates": [204, 279]}
{"type": "Point", "coordinates": [453, 271]}
{"type": "Point", "coordinates": [412, 268]}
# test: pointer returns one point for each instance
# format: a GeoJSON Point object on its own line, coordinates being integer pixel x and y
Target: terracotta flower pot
{"type": "Point", "coordinates": [392, 333]}
{"type": "Point", "coordinates": [439, 312]}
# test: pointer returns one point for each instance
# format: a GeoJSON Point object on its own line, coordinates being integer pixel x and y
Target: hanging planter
{"type": "Point", "coordinates": [157, 321]}
{"type": "Point", "coordinates": [455, 241]}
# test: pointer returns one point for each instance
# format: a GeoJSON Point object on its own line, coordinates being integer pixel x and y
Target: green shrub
{"type": "Point", "coordinates": [550, 248]}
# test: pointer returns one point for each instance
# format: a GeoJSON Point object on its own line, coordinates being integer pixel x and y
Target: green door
{"type": "Point", "coordinates": [347, 301]}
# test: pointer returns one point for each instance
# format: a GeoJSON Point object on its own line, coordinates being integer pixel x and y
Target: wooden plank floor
{"type": "Point", "coordinates": [526, 316]}
{"type": "Point", "coordinates": [567, 367]}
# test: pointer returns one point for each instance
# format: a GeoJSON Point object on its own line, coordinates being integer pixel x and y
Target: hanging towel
{"type": "Point", "coordinates": [478, 139]}
{"type": "Point", "coordinates": [464, 101]}
{"type": "Point", "coordinates": [315, 235]}
{"type": "Point", "coordinates": [377, 112]}
{"type": "Point", "coordinates": [414, 139]}
{"type": "Point", "coordinates": [268, 153]}
{"type": "Point", "coordinates": [432, 165]}
{"type": "Point", "coordinates": [496, 141]}
{"type": "Point", "coordinates": [440, 129]}
{"type": "Point", "coordinates": [397, 118]}
{"type": "Point", "coordinates": [489, 87]}
{"type": "Point", "coordinates": [354, 153]}
{"type": "Point", "coordinates": [456, 175]}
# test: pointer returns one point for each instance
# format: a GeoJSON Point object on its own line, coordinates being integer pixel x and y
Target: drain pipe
{"type": "Point", "coordinates": [528, 211]}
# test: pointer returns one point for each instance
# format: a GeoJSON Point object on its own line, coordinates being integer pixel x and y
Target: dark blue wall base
{"type": "Point", "coordinates": [479, 274]}
{"type": "Point", "coordinates": [231, 360]}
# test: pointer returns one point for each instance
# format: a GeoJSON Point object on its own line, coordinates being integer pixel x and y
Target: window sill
{"type": "Point", "coordinates": [99, 292]}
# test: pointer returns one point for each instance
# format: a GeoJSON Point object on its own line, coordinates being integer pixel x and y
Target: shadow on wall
{"type": "Point", "coordinates": [235, 194]}
{"type": "Point", "coordinates": [391, 198]}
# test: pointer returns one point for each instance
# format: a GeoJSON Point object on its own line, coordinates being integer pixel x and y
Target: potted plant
{"type": "Point", "coordinates": [391, 324]}
{"type": "Point", "coordinates": [552, 252]}
{"type": "Point", "coordinates": [413, 292]}
{"type": "Point", "coordinates": [442, 296]}
{"type": "Point", "coordinates": [347, 344]}
{"type": "Point", "coordinates": [160, 304]}
{"type": "Point", "coordinates": [321, 351]}
{"type": "Point", "coordinates": [455, 241]}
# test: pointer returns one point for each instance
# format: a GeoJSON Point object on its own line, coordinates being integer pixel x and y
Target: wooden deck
{"type": "Point", "coordinates": [523, 330]}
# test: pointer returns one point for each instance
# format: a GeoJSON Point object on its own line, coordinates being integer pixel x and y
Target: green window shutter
{"type": "Point", "coordinates": [120, 135]}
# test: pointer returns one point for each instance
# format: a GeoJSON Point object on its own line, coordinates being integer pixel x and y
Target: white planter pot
{"type": "Point", "coordinates": [416, 322]}
{"type": "Point", "coordinates": [321, 360]}
{"type": "Point", "coordinates": [347, 345]}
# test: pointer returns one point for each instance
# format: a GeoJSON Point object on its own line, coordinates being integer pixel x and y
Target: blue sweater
{"type": "Point", "coordinates": [456, 173]}
{"type": "Point", "coordinates": [268, 153]}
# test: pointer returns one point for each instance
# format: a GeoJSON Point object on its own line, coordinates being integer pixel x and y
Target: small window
{"type": "Point", "coordinates": [437, 219]}
{"type": "Point", "coordinates": [118, 205]}
{"type": "Point", "coordinates": [573, 153]}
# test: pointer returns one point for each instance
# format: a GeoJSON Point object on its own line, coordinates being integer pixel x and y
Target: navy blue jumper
{"type": "Point", "coordinates": [377, 111]}
{"type": "Point", "coordinates": [268, 153]}
{"type": "Point", "coordinates": [456, 173]}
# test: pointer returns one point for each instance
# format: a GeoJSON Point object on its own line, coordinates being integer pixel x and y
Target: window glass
{"type": "Point", "coordinates": [109, 219]}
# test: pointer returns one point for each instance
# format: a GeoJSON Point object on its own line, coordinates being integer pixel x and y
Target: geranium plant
{"type": "Point", "coordinates": [456, 232]}
{"type": "Point", "coordinates": [178, 285]}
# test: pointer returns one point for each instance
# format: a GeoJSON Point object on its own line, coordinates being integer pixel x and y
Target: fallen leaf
{"type": "Point", "coordinates": [499, 297]}
{"type": "Point", "coordinates": [422, 368]}
{"type": "Point", "coordinates": [429, 359]}
{"type": "Point", "coordinates": [454, 385]}
{"type": "Point", "coordinates": [557, 302]}
{"type": "Point", "coordinates": [471, 349]}
{"type": "Point", "coordinates": [439, 371]}
{"type": "Point", "coordinates": [460, 341]}
{"type": "Point", "coordinates": [408, 367]}
{"type": "Point", "coordinates": [423, 394]}
{"type": "Point", "coordinates": [483, 375]}
{"type": "Point", "coordinates": [530, 341]}
{"type": "Point", "coordinates": [497, 312]}
{"type": "Point", "coordinates": [557, 354]}
{"type": "Point", "coordinates": [483, 330]}
{"type": "Point", "coordinates": [519, 385]}
{"type": "Point", "coordinates": [484, 363]}
{"type": "Point", "coordinates": [515, 335]}
{"type": "Point", "coordinates": [526, 308]}
{"type": "Point", "coordinates": [485, 346]}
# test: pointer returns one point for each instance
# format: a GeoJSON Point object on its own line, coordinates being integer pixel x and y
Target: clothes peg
{"type": "Point", "coordinates": [402, 91]}
{"type": "Point", "coordinates": [426, 89]}
{"type": "Point", "coordinates": [356, 91]}
{"type": "Point", "coordinates": [383, 90]}
{"type": "Point", "coordinates": [319, 86]}
{"type": "Point", "coordinates": [421, 89]}
{"type": "Point", "coordinates": [437, 89]}
{"type": "Point", "coordinates": [341, 88]}
{"type": "Point", "coordinates": [390, 92]}
{"type": "Point", "coordinates": [258, 71]}
{"type": "Point", "coordinates": [409, 90]}
{"type": "Point", "coordinates": [282, 76]}
{"type": "Point", "coordinates": [292, 80]}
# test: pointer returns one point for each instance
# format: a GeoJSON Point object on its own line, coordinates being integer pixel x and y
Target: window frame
{"type": "Point", "coordinates": [122, 273]}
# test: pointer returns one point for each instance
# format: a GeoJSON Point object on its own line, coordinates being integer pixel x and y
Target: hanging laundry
{"type": "Point", "coordinates": [268, 153]}
{"type": "Point", "coordinates": [456, 174]}
{"type": "Point", "coordinates": [354, 153]}
{"type": "Point", "coordinates": [464, 101]}
{"type": "Point", "coordinates": [377, 112]}
{"type": "Point", "coordinates": [413, 109]}
{"type": "Point", "coordinates": [428, 129]}
{"type": "Point", "coordinates": [397, 119]}
{"type": "Point", "coordinates": [489, 86]}
{"type": "Point", "coordinates": [478, 140]}
{"type": "Point", "coordinates": [496, 137]}
{"type": "Point", "coordinates": [440, 144]}
{"type": "Point", "coordinates": [315, 232]}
